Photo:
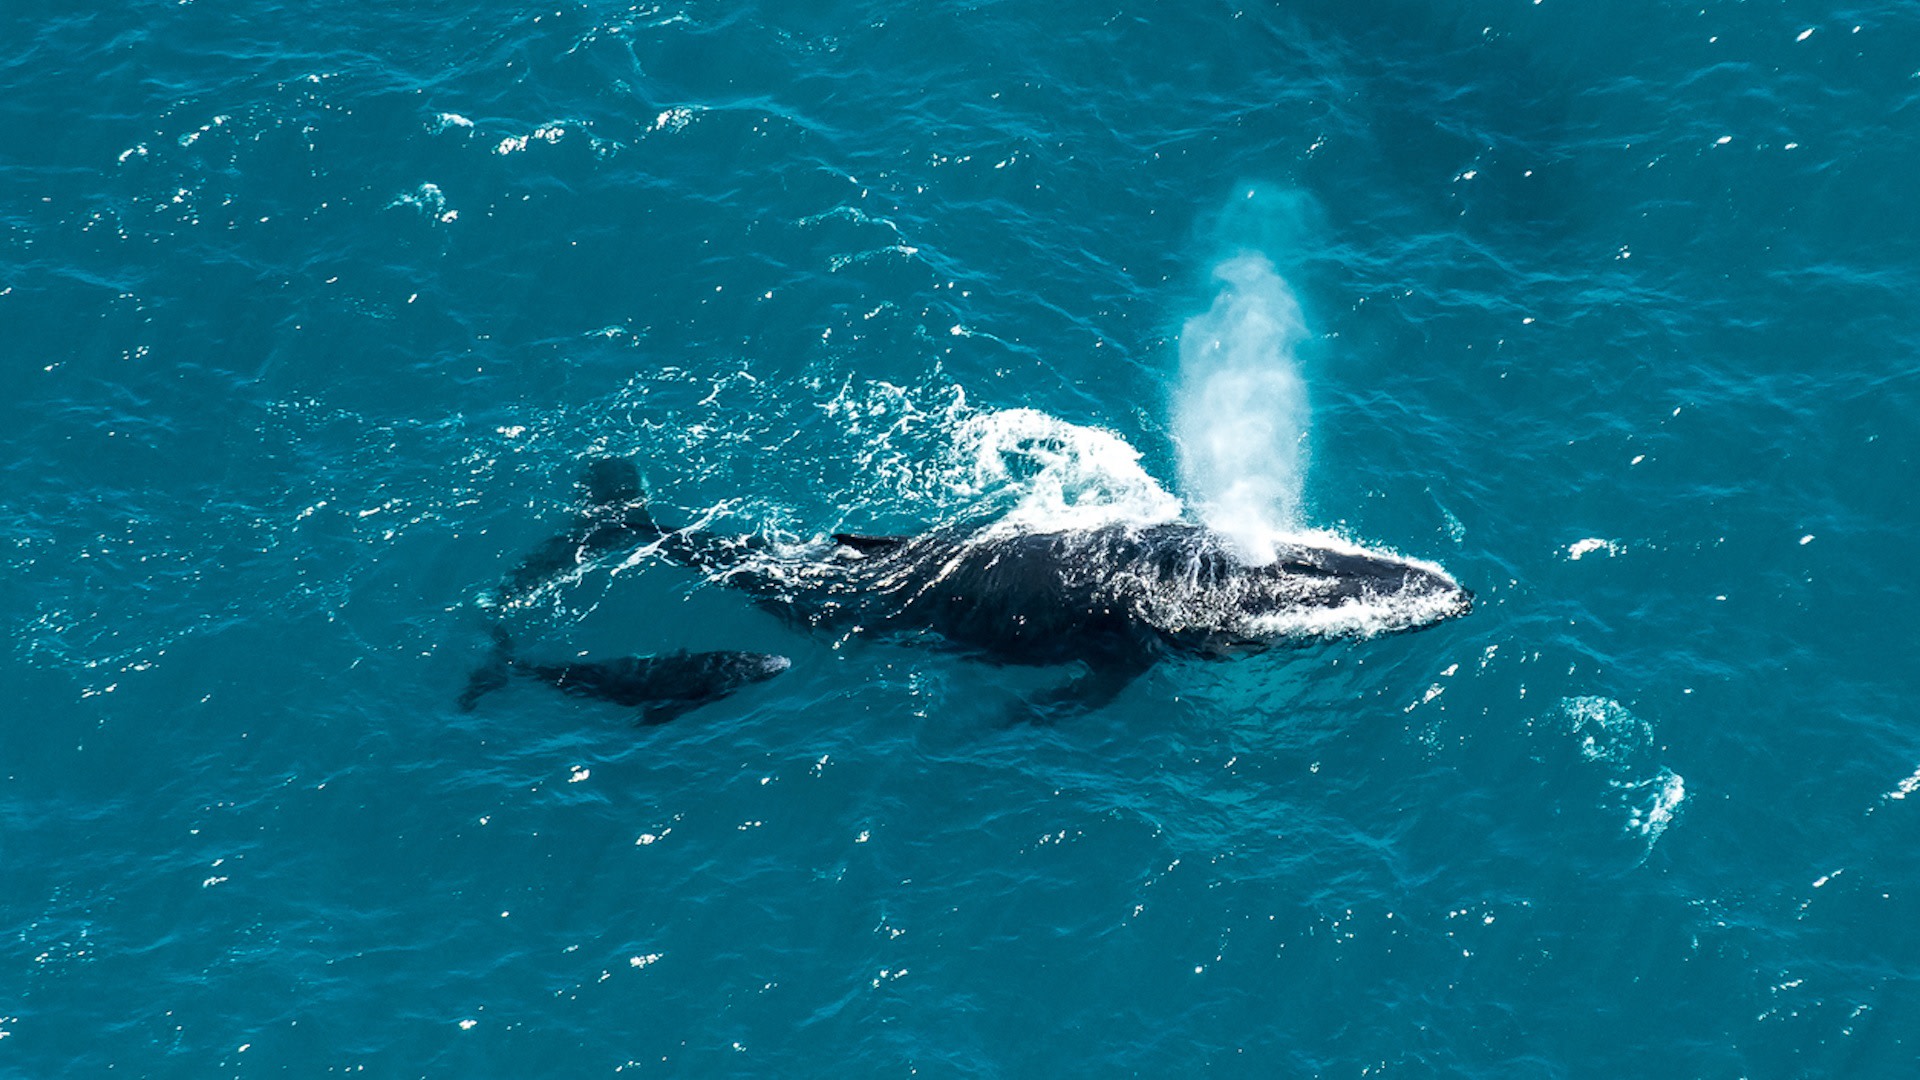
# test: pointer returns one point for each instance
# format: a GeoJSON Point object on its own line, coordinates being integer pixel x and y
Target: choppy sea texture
{"type": "Point", "coordinates": [310, 317]}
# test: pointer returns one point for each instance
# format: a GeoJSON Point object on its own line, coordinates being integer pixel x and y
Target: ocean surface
{"type": "Point", "coordinates": [311, 313]}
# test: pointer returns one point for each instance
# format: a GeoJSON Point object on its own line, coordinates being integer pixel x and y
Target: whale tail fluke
{"type": "Point", "coordinates": [609, 483]}
{"type": "Point", "coordinates": [492, 674]}
{"type": "Point", "coordinates": [613, 515]}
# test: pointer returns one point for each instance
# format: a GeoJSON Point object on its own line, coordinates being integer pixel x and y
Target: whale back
{"type": "Point", "coordinates": [1180, 587]}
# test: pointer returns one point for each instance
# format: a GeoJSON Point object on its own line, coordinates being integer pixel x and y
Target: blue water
{"type": "Point", "coordinates": [310, 313]}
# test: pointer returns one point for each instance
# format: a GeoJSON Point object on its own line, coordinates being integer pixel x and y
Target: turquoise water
{"type": "Point", "coordinates": [310, 314]}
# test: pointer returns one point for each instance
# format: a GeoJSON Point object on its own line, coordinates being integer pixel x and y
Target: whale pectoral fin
{"type": "Point", "coordinates": [668, 711]}
{"type": "Point", "coordinates": [1092, 689]}
{"type": "Point", "coordinates": [491, 675]}
{"type": "Point", "coordinates": [867, 545]}
{"type": "Point", "coordinates": [609, 481]}
{"type": "Point", "coordinates": [484, 680]}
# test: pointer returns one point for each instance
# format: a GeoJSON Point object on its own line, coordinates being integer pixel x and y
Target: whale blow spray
{"type": "Point", "coordinates": [1241, 414]}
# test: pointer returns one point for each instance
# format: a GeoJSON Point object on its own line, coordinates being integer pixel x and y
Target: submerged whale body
{"type": "Point", "coordinates": [663, 687]}
{"type": "Point", "coordinates": [1116, 598]}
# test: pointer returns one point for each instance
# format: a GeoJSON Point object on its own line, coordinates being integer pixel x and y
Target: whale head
{"type": "Point", "coordinates": [1203, 592]}
{"type": "Point", "coordinates": [1361, 592]}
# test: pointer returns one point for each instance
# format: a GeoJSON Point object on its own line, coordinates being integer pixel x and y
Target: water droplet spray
{"type": "Point", "coordinates": [1241, 412]}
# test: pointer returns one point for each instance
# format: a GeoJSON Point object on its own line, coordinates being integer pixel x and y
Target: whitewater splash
{"type": "Point", "coordinates": [1646, 791]}
{"type": "Point", "coordinates": [1049, 475]}
{"type": "Point", "coordinates": [1241, 413]}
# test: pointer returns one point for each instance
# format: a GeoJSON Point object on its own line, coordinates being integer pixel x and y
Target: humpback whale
{"type": "Point", "coordinates": [1114, 599]}
{"type": "Point", "coordinates": [663, 687]}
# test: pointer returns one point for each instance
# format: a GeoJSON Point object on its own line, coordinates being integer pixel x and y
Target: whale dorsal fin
{"type": "Point", "coordinates": [865, 544]}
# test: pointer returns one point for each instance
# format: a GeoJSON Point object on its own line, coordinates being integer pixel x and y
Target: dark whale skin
{"type": "Point", "coordinates": [662, 687]}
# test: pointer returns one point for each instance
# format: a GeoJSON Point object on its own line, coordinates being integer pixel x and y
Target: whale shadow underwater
{"type": "Point", "coordinates": [1114, 600]}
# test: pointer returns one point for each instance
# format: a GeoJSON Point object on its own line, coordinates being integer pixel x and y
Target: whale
{"type": "Point", "coordinates": [661, 687]}
{"type": "Point", "coordinates": [1113, 600]}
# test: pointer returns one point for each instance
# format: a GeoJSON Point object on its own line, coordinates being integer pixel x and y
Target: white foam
{"type": "Point", "coordinates": [1606, 730]}
{"type": "Point", "coordinates": [1056, 476]}
{"type": "Point", "coordinates": [1906, 787]}
{"type": "Point", "coordinates": [674, 119]}
{"type": "Point", "coordinates": [1582, 548]}
{"type": "Point", "coordinates": [1241, 413]}
{"type": "Point", "coordinates": [1369, 617]}
{"type": "Point", "coordinates": [1651, 817]}
{"type": "Point", "coordinates": [429, 200]}
{"type": "Point", "coordinates": [1622, 744]}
